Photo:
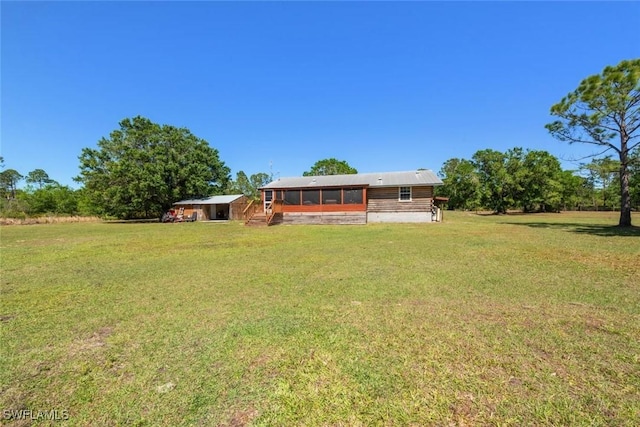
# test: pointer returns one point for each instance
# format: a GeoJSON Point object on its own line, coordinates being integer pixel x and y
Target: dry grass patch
{"type": "Point", "coordinates": [48, 220]}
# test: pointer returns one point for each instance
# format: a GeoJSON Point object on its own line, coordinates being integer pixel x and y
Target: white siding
{"type": "Point", "coordinates": [399, 216]}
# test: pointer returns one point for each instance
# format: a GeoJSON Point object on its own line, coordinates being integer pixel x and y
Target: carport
{"type": "Point", "coordinates": [215, 208]}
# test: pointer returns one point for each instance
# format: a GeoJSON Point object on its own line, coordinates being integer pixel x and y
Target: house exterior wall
{"type": "Point", "coordinates": [237, 207]}
{"type": "Point", "coordinates": [387, 199]}
{"type": "Point", "coordinates": [399, 217]}
{"type": "Point", "coordinates": [384, 205]}
{"type": "Point", "coordinates": [380, 204]}
{"type": "Point", "coordinates": [324, 218]}
{"type": "Point", "coordinates": [334, 212]}
{"type": "Point", "coordinates": [203, 214]}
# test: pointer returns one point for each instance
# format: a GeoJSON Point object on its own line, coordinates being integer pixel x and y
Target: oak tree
{"type": "Point", "coordinates": [144, 167]}
{"type": "Point", "coordinates": [461, 184]}
{"type": "Point", "coordinates": [330, 167]}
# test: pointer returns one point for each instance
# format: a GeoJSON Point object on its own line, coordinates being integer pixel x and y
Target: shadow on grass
{"type": "Point", "coordinates": [594, 229]}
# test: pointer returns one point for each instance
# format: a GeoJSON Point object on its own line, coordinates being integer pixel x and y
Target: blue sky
{"type": "Point", "coordinates": [385, 86]}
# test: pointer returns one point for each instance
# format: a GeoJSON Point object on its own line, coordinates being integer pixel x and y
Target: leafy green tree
{"type": "Point", "coordinates": [529, 179]}
{"type": "Point", "coordinates": [241, 185]}
{"type": "Point", "coordinates": [461, 184]}
{"type": "Point", "coordinates": [143, 168]}
{"type": "Point", "coordinates": [38, 176]}
{"type": "Point", "coordinates": [14, 208]}
{"type": "Point", "coordinates": [9, 180]}
{"type": "Point", "coordinates": [540, 182]}
{"type": "Point", "coordinates": [604, 174]}
{"type": "Point", "coordinates": [85, 206]}
{"type": "Point", "coordinates": [495, 181]}
{"type": "Point", "coordinates": [52, 199]}
{"type": "Point", "coordinates": [505, 179]}
{"type": "Point", "coordinates": [330, 167]}
{"type": "Point", "coordinates": [259, 180]}
{"type": "Point", "coordinates": [575, 191]}
{"type": "Point", "coordinates": [605, 111]}
{"type": "Point", "coordinates": [516, 178]}
{"type": "Point", "coordinates": [249, 186]}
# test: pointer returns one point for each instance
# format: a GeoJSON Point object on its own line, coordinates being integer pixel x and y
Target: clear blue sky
{"type": "Point", "coordinates": [385, 86]}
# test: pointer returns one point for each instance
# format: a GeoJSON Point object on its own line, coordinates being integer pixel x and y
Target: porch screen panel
{"type": "Point", "coordinates": [332, 197]}
{"type": "Point", "coordinates": [292, 197]}
{"type": "Point", "coordinates": [353, 196]}
{"type": "Point", "coordinates": [310, 197]}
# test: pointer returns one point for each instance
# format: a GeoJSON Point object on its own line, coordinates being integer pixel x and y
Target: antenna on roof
{"type": "Point", "coordinates": [271, 174]}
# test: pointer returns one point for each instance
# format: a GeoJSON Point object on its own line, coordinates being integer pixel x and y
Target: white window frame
{"type": "Point", "coordinates": [400, 194]}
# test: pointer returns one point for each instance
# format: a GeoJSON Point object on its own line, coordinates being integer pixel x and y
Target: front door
{"type": "Point", "coordinates": [268, 196]}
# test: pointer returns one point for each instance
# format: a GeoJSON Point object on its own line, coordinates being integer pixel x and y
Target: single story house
{"type": "Point", "coordinates": [353, 199]}
{"type": "Point", "coordinates": [215, 207]}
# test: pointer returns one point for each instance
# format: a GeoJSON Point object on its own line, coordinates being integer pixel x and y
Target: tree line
{"type": "Point", "coordinates": [533, 181]}
{"type": "Point", "coordinates": [142, 168]}
{"type": "Point", "coordinates": [42, 195]}
{"type": "Point", "coordinates": [138, 172]}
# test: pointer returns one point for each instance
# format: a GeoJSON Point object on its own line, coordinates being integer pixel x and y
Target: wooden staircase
{"type": "Point", "coordinates": [258, 219]}
{"type": "Point", "coordinates": [261, 219]}
{"type": "Point", "coordinates": [254, 216]}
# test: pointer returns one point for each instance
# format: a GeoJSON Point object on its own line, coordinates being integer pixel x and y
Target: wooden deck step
{"type": "Point", "coordinates": [257, 220]}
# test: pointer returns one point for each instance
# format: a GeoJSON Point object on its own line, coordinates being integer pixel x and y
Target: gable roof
{"type": "Point", "coordinates": [382, 179]}
{"type": "Point", "coordinates": [213, 200]}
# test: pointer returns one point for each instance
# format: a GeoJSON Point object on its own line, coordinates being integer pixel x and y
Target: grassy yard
{"type": "Point", "coordinates": [480, 320]}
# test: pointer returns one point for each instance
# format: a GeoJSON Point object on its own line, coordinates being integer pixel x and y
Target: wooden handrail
{"type": "Point", "coordinates": [274, 207]}
{"type": "Point", "coordinates": [250, 211]}
{"type": "Point", "coordinates": [248, 206]}
{"type": "Point", "coordinates": [271, 208]}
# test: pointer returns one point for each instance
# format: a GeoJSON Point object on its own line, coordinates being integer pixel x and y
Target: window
{"type": "Point", "coordinates": [332, 197]}
{"type": "Point", "coordinates": [292, 197]}
{"type": "Point", "coordinates": [268, 195]}
{"type": "Point", "coordinates": [310, 197]}
{"type": "Point", "coordinates": [405, 194]}
{"type": "Point", "coordinates": [353, 196]}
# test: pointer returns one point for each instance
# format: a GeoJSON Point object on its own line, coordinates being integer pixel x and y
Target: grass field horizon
{"type": "Point", "coordinates": [479, 320]}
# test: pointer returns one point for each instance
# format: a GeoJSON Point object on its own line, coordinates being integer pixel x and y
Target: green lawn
{"type": "Point", "coordinates": [480, 320]}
